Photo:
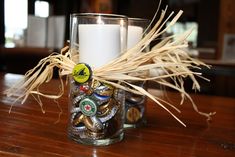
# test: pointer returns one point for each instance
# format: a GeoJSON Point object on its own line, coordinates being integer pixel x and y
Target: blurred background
{"type": "Point", "coordinates": [32, 29]}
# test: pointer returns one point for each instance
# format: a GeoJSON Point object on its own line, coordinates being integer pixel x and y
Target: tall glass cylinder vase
{"type": "Point", "coordinates": [96, 109]}
{"type": "Point", "coordinates": [135, 105]}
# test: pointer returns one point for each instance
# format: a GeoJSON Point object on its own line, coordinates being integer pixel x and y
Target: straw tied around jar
{"type": "Point", "coordinates": [167, 63]}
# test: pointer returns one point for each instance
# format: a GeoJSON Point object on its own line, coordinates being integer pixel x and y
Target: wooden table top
{"type": "Point", "coordinates": [29, 132]}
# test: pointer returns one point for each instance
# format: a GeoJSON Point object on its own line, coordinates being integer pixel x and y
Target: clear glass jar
{"type": "Point", "coordinates": [135, 105]}
{"type": "Point", "coordinates": [96, 109]}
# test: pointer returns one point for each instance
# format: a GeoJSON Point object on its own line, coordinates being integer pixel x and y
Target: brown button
{"type": "Point", "coordinates": [133, 115]}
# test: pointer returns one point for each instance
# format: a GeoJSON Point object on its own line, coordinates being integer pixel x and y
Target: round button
{"type": "Point", "coordinates": [88, 107]}
{"type": "Point", "coordinates": [81, 73]}
{"type": "Point", "coordinates": [133, 115]}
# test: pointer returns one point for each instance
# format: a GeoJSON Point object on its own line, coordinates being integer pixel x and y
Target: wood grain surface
{"type": "Point", "coordinates": [26, 131]}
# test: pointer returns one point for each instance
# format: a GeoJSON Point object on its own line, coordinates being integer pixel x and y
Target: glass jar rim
{"type": "Point", "coordinates": [93, 15]}
{"type": "Point", "coordinates": [138, 19]}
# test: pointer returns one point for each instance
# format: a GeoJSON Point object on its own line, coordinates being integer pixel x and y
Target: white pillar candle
{"type": "Point", "coordinates": [135, 34]}
{"type": "Point", "coordinates": [98, 43]}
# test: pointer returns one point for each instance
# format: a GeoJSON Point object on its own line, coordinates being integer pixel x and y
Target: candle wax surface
{"type": "Point", "coordinates": [99, 43]}
{"type": "Point", "coordinates": [135, 34]}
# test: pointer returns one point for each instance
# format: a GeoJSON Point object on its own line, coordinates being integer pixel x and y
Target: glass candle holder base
{"type": "Point", "coordinates": [135, 115]}
{"type": "Point", "coordinates": [96, 113]}
{"type": "Point", "coordinates": [136, 125]}
{"type": "Point", "coordinates": [100, 142]}
{"type": "Point", "coordinates": [135, 106]}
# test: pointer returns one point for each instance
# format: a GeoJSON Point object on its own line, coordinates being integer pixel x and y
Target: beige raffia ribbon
{"type": "Point", "coordinates": [168, 59]}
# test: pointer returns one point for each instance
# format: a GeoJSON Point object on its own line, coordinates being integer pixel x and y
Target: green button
{"type": "Point", "coordinates": [81, 73]}
{"type": "Point", "coordinates": [88, 107]}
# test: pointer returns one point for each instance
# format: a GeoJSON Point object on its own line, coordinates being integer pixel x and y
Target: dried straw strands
{"type": "Point", "coordinates": [167, 63]}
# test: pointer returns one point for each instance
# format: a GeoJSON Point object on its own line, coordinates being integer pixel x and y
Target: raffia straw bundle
{"type": "Point", "coordinates": [168, 56]}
